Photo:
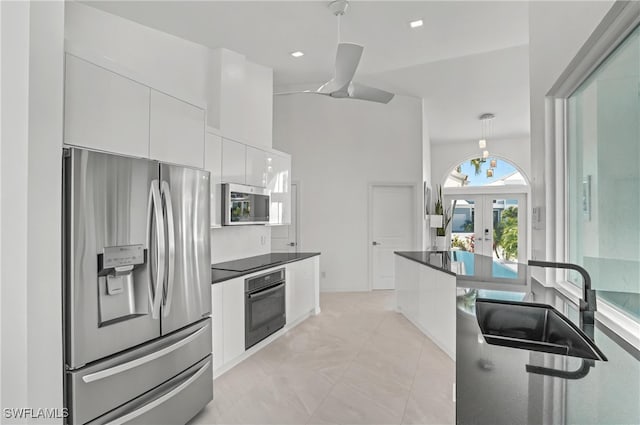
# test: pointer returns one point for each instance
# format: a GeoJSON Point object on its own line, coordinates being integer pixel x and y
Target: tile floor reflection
{"type": "Point", "coordinates": [357, 362]}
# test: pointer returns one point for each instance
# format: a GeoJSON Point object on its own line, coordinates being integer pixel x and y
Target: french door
{"type": "Point", "coordinates": [489, 224]}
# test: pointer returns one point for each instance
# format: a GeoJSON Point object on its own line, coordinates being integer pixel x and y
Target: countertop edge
{"type": "Point", "coordinates": [406, 254]}
{"type": "Point", "coordinates": [233, 275]}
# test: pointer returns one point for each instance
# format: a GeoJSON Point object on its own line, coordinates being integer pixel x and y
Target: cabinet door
{"type": "Point", "coordinates": [233, 318]}
{"type": "Point", "coordinates": [213, 164]}
{"type": "Point", "coordinates": [105, 111]}
{"type": "Point", "coordinates": [301, 283]}
{"type": "Point", "coordinates": [233, 161]}
{"type": "Point", "coordinates": [256, 167]}
{"type": "Point", "coordinates": [176, 131]}
{"type": "Point", "coordinates": [279, 185]}
{"type": "Point", "coordinates": [217, 325]}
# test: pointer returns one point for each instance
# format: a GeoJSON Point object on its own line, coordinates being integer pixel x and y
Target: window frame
{"type": "Point", "coordinates": [621, 20]}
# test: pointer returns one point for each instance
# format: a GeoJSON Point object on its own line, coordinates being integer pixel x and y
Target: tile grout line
{"type": "Point", "coordinates": [404, 413]}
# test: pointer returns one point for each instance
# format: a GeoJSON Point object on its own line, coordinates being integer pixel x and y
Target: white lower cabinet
{"type": "Point", "coordinates": [233, 318]}
{"type": "Point", "coordinates": [227, 304]}
{"type": "Point", "coordinates": [217, 307]}
{"type": "Point", "coordinates": [301, 289]}
{"type": "Point", "coordinates": [228, 299]}
{"type": "Point", "coordinates": [427, 297]}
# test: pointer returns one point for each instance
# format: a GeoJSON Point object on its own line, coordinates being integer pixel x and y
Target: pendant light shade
{"type": "Point", "coordinates": [482, 143]}
{"type": "Point", "coordinates": [490, 172]}
{"type": "Point", "coordinates": [494, 163]}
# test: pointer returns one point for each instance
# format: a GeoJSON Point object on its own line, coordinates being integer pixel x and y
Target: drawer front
{"type": "Point", "coordinates": [174, 402]}
{"type": "Point", "coordinates": [101, 387]}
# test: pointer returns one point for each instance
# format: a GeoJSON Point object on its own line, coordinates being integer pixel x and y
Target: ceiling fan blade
{"type": "Point", "coordinates": [347, 60]}
{"type": "Point", "coordinates": [362, 92]}
{"type": "Point", "coordinates": [286, 93]}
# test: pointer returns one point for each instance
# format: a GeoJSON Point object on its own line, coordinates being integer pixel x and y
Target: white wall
{"type": "Point", "coordinates": [426, 175]}
{"type": "Point", "coordinates": [32, 66]}
{"type": "Point", "coordinates": [14, 173]}
{"type": "Point", "coordinates": [233, 242]}
{"type": "Point", "coordinates": [446, 156]}
{"type": "Point", "coordinates": [338, 147]}
{"type": "Point", "coordinates": [557, 30]}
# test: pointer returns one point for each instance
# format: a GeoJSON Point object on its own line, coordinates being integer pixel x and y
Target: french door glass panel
{"type": "Point", "coordinates": [491, 225]}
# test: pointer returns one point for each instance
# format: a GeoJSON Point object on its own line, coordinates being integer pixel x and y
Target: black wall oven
{"type": "Point", "coordinates": [264, 307]}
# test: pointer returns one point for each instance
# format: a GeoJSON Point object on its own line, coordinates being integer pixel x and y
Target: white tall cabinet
{"type": "Point", "coordinates": [112, 113]}
{"type": "Point", "coordinates": [213, 164]}
{"type": "Point", "coordinates": [105, 111]}
{"type": "Point", "coordinates": [176, 131]}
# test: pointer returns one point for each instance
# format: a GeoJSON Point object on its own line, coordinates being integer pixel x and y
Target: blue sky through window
{"type": "Point", "coordinates": [503, 168]}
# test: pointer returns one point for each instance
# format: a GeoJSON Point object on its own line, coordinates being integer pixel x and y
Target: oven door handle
{"type": "Point", "coordinates": [268, 291]}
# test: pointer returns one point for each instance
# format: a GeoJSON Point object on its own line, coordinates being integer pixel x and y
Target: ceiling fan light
{"type": "Point", "coordinates": [482, 143]}
{"type": "Point", "coordinates": [416, 24]}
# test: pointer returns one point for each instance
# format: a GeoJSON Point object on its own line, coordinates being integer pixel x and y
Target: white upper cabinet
{"type": "Point", "coordinates": [279, 186]}
{"type": "Point", "coordinates": [105, 111]}
{"type": "Point", "coordinates": [176, 131]}
{"type": "Point", "coordinates": [256, 167]}
{"type": "Point", "coordinates": [233, 162]}
{"type": "Point", "coordinates": [213, 164]}
{"type": "Point", "coordinates": [240, 98]}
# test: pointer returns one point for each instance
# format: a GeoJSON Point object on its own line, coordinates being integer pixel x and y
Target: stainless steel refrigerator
{"type": "Point", "coordinates": [137, 290]}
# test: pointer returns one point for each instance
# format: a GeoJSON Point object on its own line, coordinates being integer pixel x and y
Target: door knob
{"type": "Point", "coordinates": [291, 244]}
{"type": "Point", "coordinates": [375, 243]}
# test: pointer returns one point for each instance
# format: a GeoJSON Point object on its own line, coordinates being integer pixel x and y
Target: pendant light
{"type": "Point", "coordinates": [485, 123]}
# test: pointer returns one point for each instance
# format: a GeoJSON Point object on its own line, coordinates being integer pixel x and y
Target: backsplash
{"type": "Point", "coordinates": [234, 242]}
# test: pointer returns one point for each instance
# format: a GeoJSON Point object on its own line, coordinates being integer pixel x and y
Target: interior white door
{"type": "Point", "coordinates": [392, 228]}
{"type": "Point", "coordinates": [285, 238]}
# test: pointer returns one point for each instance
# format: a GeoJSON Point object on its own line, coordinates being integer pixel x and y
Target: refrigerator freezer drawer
{"type": "Point", "coordinates": [101, 387]}
{"type": "Point", "coordinates": [173, 403]}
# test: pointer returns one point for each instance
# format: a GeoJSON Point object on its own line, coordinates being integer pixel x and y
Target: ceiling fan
{"type": "Point", "coordinates": [347, 60]}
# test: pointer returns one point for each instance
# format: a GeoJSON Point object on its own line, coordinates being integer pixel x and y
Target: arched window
{"type": "Point", "coordinates": [491, 171]}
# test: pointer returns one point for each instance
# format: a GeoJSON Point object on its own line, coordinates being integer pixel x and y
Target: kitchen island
{"type": "Point", "coordinates": [498, 385]}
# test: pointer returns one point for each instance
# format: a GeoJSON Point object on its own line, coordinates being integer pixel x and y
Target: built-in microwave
{"type": "Point", "coordinates": [245, 205]}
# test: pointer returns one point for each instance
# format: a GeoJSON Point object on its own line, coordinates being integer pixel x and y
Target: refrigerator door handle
{"type": "Point", "coordinates": [144, 359]}
{"type": "Point", "coordinates": [155, 206]}
{"type": "Point", "coordinates": [166, 193]}
{"type": "Point", "coordinates": [157, 402]}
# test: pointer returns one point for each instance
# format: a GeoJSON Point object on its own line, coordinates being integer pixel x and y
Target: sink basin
{"type": "Point", "coordinates": [531, 326]}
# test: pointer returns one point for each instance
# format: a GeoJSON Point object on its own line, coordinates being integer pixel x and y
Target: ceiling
{"type": "Point", "coordinates": [470, 57]}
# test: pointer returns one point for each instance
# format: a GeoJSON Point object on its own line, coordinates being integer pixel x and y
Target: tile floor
{"type": "Point", "coordinates": [357, 362]}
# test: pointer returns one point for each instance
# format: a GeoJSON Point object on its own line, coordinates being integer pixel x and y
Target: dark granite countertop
{"type": "Point", "coordinates": [236, 268]}
{"type": "Point", "coordinates": [493, 386]}
{"type": "Point", "coordinates": [468, 266]}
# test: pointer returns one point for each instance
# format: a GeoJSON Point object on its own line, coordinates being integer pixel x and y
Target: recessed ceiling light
{"type": "Point", "coordinates": [297, 54]}
{"type": "Point", "coordinates": [416, 24]}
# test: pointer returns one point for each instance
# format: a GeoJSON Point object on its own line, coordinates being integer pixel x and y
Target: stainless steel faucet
{"type": "Point", "coordinates": [587, 303]}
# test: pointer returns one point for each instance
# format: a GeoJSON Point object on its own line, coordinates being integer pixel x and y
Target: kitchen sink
{"type": "Point", "coordinates": [531, 326]}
